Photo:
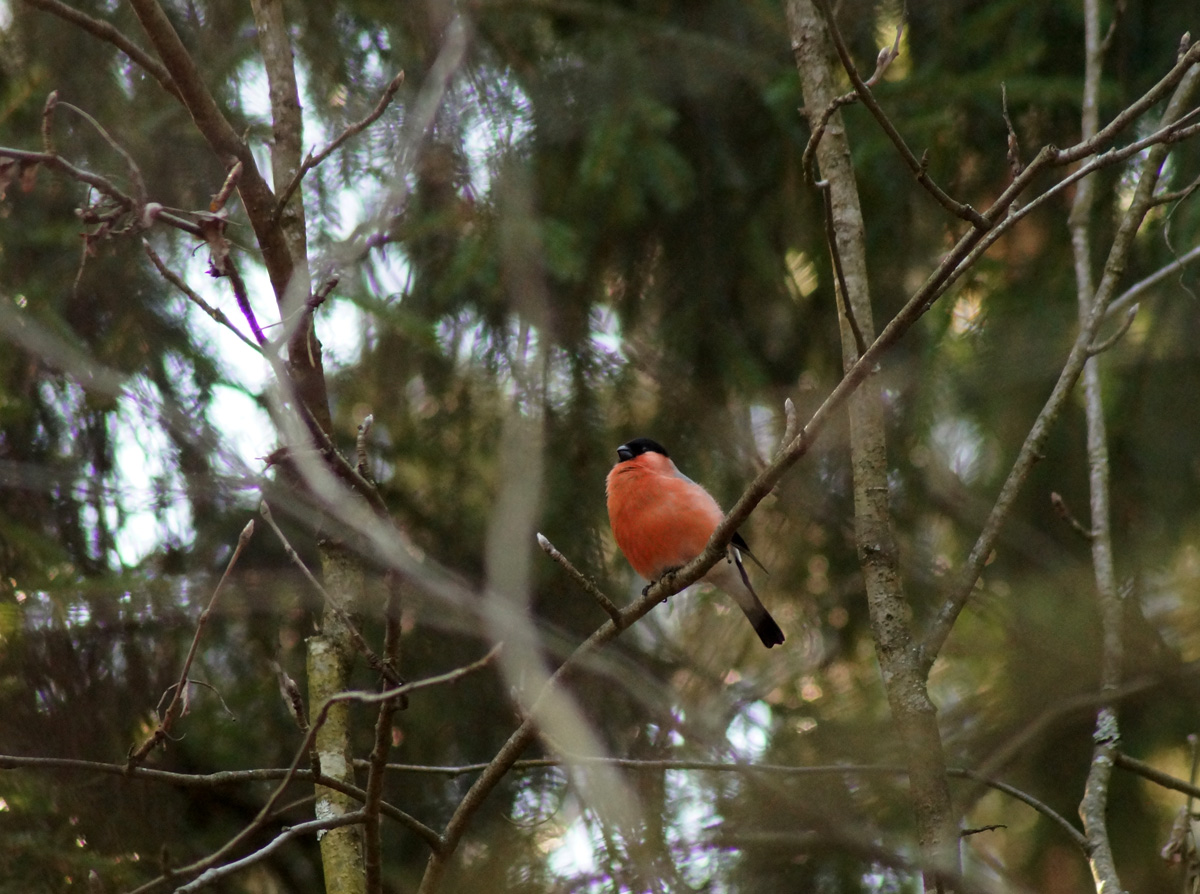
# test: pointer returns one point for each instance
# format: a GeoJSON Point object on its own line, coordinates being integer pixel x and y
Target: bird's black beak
{"type": "Point", "coordinates": [624, 453]}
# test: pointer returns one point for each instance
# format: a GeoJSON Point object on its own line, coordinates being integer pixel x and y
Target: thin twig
{"type": "Point", "coordinates": [227, 188]}
{"type": "Point", "coordinates": [585, 583]}
{"type": "Point", "coordinates": [1063, 511]}
{"type": "Point", "coordinates": [1030, 451]}
{"type": "Point", "coordinates": [242, 296]}
{"type": "Point", "coordinates": [1158, 777]}
{"type": "Point", "coordinates": [1118, 15]}
{"type": "Point", "coordinates": [215, 313]}
{"type": "Point", "coordinates": [314, 159]}
{"type": "Point", "coordinates": [257, 198]}
{"type": "Point", "coordinates": [1122, 328]}
{"type": "Point", "coordinates": [217, 873]}
{"type": "Point", "coordinates": [48, 122]}
{"type": "Point", "coordinates": [1013, 151]}
{"type": "Point", "coordinates": [675, 765]}
{"type": "Point", "coordinates": [886, 57]}
{"type": "Point", "coordinates": [789, 423]}
{"type": "Point", "coordinates": [918, 167]}
{"type": "Point", "coordinates": [373, 660]}
{"type": "Point", "coordinates": [360, 446]}
{"type": "Point", "coordinates": [57, 163]}
{"type": "Point", "coordinates": [174, 707]}
{"type": "Point", "coordinates": [372, 842]}
{"type": "Point", "coordinates": [1044, 809]}
{"type": "Point", "coordinates": [372, 832]}
{"type": "Point", "coordinates": [1177, 195]}
{"type": "Point", "coordinates": [318, 297]}
{"type": "Point", "coordinates": [843, 294]}
{"type": "Point", "coordinates": [216, 780]}
{"type": "Point", "coordinates": [109, 34]}
{"type": "Point", "coordinates": [135, 172]}
{"type": "Point", "coordinates": [293, 772]}
{"type": "Point", "coordinates": [1139, 288]}
{"type": "Point", "coordinates": [291, 696]}
{"type": "Point", "coordinates": [941, 280]}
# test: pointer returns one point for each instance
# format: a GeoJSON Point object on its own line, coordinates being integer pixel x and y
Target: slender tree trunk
{"type": "Point", "coordinates": [330, 656]}
{"type": "Point", "coordinates": [330, 652]}
{"type": "Point", "coordinates": [891, 618]}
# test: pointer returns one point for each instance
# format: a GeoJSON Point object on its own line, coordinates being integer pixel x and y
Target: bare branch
{"type": "Point", "coordinates": [135, 172]}
{"type": "Point", "coordinates": [242, 295]}
{"type": "Point", "coordinates": [313, 159]}
{"type": "Point", "coordinates": [1135, 291]}
{"type": "Point", "coordinates": [110, 34]}
{"type": "Point", "coordinates": [1031, 450]}
{"type": "Point", "coordinates": [101, 184]}
{"type": "Point", "coordinates": [48, 122]}
{"type": "Point", "coordinates": [227, 188]}
{"type": "Point", "coordinates": [1102, 346]}
{"type": "Point", "coordinates": [373, 660]}
{"type": "Point", "coordinates": [918, 167]}
{"type": "Point", "coordinates": [585, 583]}
{"type": "Point", "coordinates": [293, 772]}
{"type": "Point", "coordinates": [1064, 512]}
{"type": "Point", "coordinates": [291, 696]}
{"type": "Point", "coordinates": [843, 295]}
{"type": "Point", "coordinates": [257, 197]}
{"type": "Point", "coordinates": [1158, 777]}
{"type": "Point", "coordinates": [1014, 146]}
{"type": "Point", "coordinates": [372, 843]}
{"type": "Point", "coordinates": [217, 873]}
{"type": "Point", "coordinates": [174, 707]}
{"type": "Point", "coordinates": [1093, 808]}
{"type": "Point", "coordinates": [215, 313]}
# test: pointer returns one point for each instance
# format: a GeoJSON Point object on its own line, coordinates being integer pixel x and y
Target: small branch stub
{"type": "Point", "coordinates": [584, 582]}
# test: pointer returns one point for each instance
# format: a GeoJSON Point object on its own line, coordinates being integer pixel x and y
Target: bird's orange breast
{"type": "Point", "coordinates": [660, 520]}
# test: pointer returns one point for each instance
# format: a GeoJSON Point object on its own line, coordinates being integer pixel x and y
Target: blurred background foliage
{"type": "Point", "coordinates": [608, 230]}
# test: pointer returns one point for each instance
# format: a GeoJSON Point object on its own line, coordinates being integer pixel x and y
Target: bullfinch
{"type": "Point", "coordinates": [662, 520]}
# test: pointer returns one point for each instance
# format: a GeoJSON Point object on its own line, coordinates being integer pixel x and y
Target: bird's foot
{"type": "Point", "coordinates": [667, 576]}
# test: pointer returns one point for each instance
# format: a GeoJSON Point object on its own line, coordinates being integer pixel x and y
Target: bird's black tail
{"type": "Point", "coordinates": [768, 631]}
{"type": "Point", "coordinates": [764, 625]}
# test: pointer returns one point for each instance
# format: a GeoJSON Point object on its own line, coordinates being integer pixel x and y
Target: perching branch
{"type": "Point", "coordinates": [947, 271]}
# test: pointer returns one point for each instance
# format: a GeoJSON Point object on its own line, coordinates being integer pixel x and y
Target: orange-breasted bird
{"type": "Point", "coordinates": [662, 520]}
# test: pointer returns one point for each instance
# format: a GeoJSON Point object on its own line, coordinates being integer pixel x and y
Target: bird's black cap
{"type": "Point", "coordinates": [637, 447]}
